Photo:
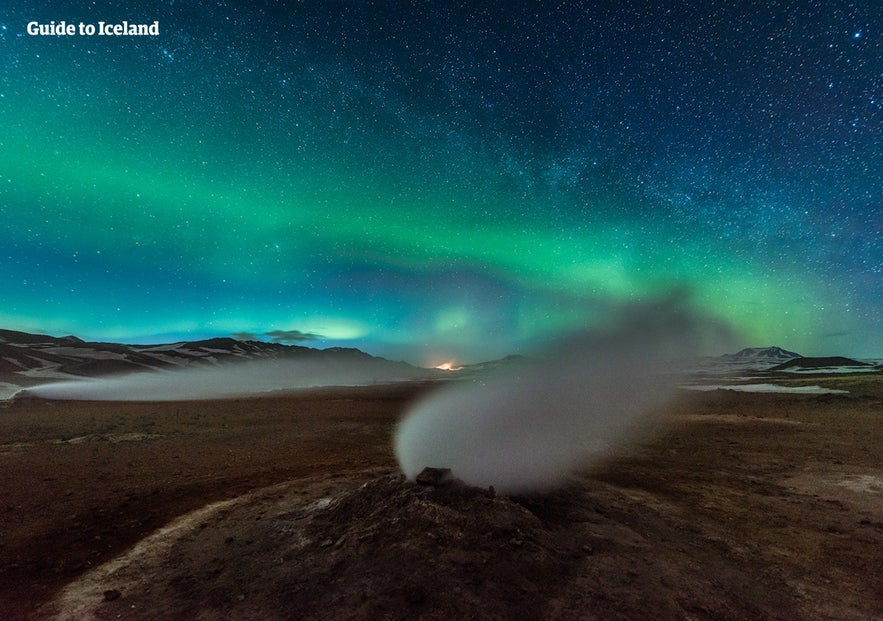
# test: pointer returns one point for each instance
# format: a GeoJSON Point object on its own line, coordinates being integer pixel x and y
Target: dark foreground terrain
{"type": "Point", "coordinates": [742, 506]}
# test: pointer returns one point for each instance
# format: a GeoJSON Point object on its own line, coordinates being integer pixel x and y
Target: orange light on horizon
{"type": "Point", "coordinates": [447, 366]}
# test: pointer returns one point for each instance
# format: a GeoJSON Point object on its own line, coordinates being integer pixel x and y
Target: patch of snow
{"type": "Point", "coordinates": [175, 360]}
{"type": "Point", "coordinates": [864, 483]}
{"type": "Point", "coordinates": [8, 390]}
{"type": "Point", "coordinates": [808, 390]}
{"type": "Point", "coordinates": [719, 367]}
{"type": "Point", "coordinates": [47, 373]}
{"type": "Point", "coordinates": [736, 378]}
{"type": "Point", "coordinates": [46, 364]}
{"type": "Point", "coordinates": [15, 446]}
{"type": "Point", "coordinates": [164, 347]}
{"type": "Point", "coordinates": [861, 369]}
{"type": "Point", "coordinates": [193, 352]}
{"type": "Point", "coordinates": [84, 352]}
{"type": "Point", "coordinates": [113, 438]}
{"type": "Point", "coordinates": [318, 504]}
{"type": "Point", "coordinates": [15, 362]}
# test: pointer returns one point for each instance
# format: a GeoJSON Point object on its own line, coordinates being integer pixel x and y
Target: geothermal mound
{"type": "Point", "coordinates": [400, 550]}
{"type": "Point", "coordinates": [390, 549]}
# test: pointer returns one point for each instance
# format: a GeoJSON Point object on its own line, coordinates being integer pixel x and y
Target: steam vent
{"type": "Point", "coordinates": [434, 548]}
{"type": "Point", "coordinates": [389, 549]}
{"type": "Point", "coordinates": [434, 476]}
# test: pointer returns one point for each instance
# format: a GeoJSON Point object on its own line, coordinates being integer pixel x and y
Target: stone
{"type": "Point", "coordinates": [434, 476]}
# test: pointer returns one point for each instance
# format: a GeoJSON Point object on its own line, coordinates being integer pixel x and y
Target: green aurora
{"type": "Point", "coordinates": [218, 180]}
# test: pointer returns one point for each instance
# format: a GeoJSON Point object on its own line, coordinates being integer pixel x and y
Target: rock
{"type": "Point", "coordinates": [435, 476]}
{"type": "Point", "coordinates": [111, 594]}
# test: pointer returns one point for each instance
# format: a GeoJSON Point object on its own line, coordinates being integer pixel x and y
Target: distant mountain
{"type": "Point", "coordinates": [41, 358]}
{"type": "Point", "coordinates": [764, 354]}
{"type": "Point", "coordinates": [819, 363]}
{"type": "Point", "coordinates": [746, 360]}
{"type": "Point", "coordinates": [763, 359]}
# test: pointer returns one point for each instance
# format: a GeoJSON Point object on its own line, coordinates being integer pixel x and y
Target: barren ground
{"type": "Point", "coordinates": [743, 506]}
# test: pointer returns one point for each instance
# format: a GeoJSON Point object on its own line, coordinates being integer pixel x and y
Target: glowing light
{"type": "Point", "coordinates": [448, 366]}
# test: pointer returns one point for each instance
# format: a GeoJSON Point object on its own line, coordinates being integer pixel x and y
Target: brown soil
{"type": "Point", "coordinates": [743, 506]}
{"type": "Point", "coordinates": [78, 487]}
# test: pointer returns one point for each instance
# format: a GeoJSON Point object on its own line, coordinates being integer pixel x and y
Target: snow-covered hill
{"type": "Point", "coordinates": [761, 354]}
{"type": "Point", "coordinates": [32, 359]}
{"type": "Point", "coordinates": [748, 359]}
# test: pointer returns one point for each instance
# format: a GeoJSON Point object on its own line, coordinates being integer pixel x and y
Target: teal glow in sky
{"type": "Point", "coordinates": [438, 180]}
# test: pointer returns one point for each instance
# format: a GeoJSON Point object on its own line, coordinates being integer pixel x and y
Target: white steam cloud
{"type": "Point", "coordinates": [224, 381]}
{"type": "Point", "coordinates": [527, 429]}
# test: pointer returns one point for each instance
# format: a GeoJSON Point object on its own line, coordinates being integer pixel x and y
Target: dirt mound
{"type": "Point", "coordinates": [394, 545]}
{"type": "Point", "coordinates": [389, 549]}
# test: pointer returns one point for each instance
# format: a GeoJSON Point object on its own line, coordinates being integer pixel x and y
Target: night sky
{"type": "Point", "coordinates": [438, 180]}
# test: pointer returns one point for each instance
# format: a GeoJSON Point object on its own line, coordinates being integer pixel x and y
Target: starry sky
{"type": "Point", "coordinates": [436, 180]}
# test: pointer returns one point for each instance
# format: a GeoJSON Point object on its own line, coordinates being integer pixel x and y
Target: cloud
{"type": "Point", "coordinates": [278, 336]}
{"type": "Point", "coordinates": [292, 336]}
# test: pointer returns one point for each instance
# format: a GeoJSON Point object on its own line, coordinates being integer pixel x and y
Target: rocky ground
{"type": "Point", "coordinates": [739, 506]}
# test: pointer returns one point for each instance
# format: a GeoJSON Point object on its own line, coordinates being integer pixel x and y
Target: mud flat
{"type": "Point", "coordinates": [743, 505]}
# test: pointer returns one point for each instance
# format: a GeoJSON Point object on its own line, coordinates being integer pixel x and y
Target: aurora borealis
{"type": "Point", "coordinates": [436, 180]}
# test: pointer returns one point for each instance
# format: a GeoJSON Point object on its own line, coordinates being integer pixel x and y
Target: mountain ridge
{"type": "Point", "coordinates": [39, 356]}
{"type": "Point", "coordinates": [819, 363]}
{"type": "Point", "coordinates": [772, 352]}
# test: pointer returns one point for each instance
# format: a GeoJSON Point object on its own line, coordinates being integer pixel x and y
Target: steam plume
{"type": "Point", "coordinates": [527, 429]}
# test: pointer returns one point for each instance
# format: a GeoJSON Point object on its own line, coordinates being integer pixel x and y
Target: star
{"type": "Point", "coordinates": [456, 185]}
